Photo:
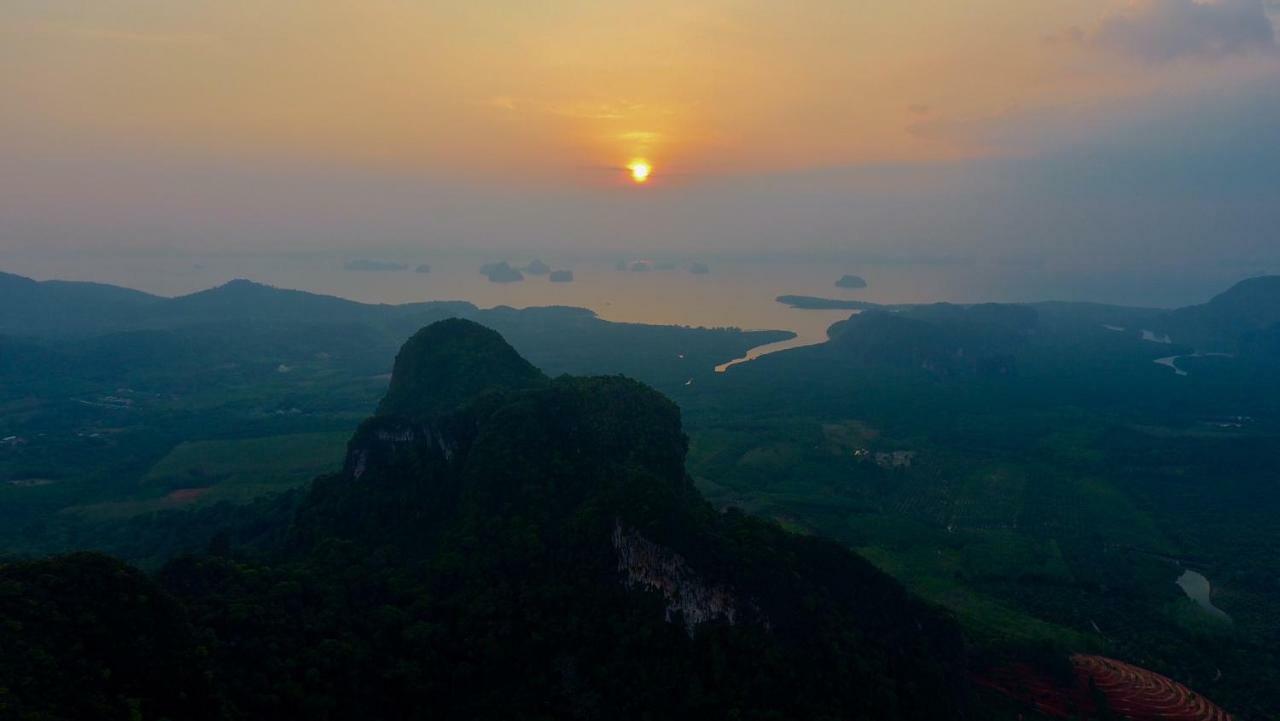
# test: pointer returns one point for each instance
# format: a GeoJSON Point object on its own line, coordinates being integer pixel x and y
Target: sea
{"type": "Point", "coordinates": [736, 292]}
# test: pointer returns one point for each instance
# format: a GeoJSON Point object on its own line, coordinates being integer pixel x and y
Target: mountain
{"type": "Point", "coordinates": [1221, 325]}
{"type": "Point", "coordinates": [942, 339]}
{"type": "Point", "coordinates": [53, 307]}
{"type": "Point", "coordinates": [564, 529]}
{"type": "Point", "coordinates": [243, 300]}
{"type": "Point", "coordinates": [450, 362]}
{"type": "Point", "coordinates": [64, 308]}
{"type": "Point", "coordinates": [500, 544]}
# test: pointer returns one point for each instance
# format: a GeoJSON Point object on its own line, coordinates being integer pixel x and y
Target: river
{"type": "Point", "coordinates": [1198, 589]}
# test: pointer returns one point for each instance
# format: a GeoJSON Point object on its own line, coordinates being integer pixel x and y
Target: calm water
{"type": "Point", "coordinates": [1198, 589]}
{"type": "Point", "coordinates": [736, 293]}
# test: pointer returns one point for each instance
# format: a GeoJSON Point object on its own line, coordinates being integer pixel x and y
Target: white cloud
{"type": "Point", "coordinates": [1164, 30]}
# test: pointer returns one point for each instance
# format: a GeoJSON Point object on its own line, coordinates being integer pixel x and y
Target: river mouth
{"type": "Point", "coordinates": [809, 326]}
{"type": "Point", "coordinates": [1198, 589]}
{"type": "Point", "coordinates": [763, 350]}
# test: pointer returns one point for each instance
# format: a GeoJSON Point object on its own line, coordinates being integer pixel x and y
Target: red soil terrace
{"type": "Point", "coordinates": [1131, 692]}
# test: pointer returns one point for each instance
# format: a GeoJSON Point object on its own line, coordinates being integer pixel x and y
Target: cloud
{"type": "Point", "coordinates": [1165, 30]}
{"type": "Point", "coordinates": [114, 35]}
{"type": "Point", "coordinates": [580, 109]}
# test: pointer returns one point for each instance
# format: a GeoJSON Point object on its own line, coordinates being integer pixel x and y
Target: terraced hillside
{"type": "Point", "coordinates": [1104, 688]}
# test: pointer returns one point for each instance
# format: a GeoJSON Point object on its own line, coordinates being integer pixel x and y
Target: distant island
{"type": "Point", "coordinates": [424, 268]}
{"type": "Point", "coordinates": [562, 276]}
{"type": "Point", "coordinates": [699, 268]}
{"type": "Point", "coordinates": [641, 266]}
{"type": "Point", "coordinates": [501, 272]}
{"type": "Point", "coordinates": [806, 302]}
{"type": "Point", "coordinates": [364, 264]}
{"type": "Point", "coordinates": [851, 281]}
{"type": "Point", "coordinates": [537, 267]}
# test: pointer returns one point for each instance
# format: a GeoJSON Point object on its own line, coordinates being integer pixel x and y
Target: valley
{"type": "Point", "coordinates": [1027, 468]}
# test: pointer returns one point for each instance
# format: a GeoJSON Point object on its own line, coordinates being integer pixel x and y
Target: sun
{"type": "Point", "coordinates": [640, 170]}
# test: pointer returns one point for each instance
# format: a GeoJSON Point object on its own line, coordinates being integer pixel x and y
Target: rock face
{"type": "Point", "coordinates": [851, 281]}
{"type": "Point", "coordinates": [562, 276]}
{"type": "Point", "coordinates": [379, 444]}
{"type": "Point", "coordinates": [647, 565]}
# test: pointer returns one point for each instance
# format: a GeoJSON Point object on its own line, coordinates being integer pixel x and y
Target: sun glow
{"type": "Point", "coordinates": [640, 170]}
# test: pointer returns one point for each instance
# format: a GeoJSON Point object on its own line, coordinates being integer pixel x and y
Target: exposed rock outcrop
{"type": "Point", "coordinates": [380, 442]}
{"type": "Point", "coordinates": [645, 564]}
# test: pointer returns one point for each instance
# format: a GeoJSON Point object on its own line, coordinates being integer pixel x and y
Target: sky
{"type": "Point", "coordinates": [1115, 132]}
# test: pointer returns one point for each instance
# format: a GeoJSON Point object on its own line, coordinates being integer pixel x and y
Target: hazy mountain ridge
{"type": "Point", "coordinates": [296, 326]}
{"type": "Point", "coordinates": [62, 308]}
{"type": "Point", "coordinates": [1229, 321]}
{"type": "Point", "coordinates": [29, 307]}
{"type": "Point", "coordinates": [952, 340]}
{"type": "Point", "coordinates": [942, 339]}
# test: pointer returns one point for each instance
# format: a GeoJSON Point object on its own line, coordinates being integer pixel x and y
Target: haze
{"type": "Point", "coordinates": [1099, 134]}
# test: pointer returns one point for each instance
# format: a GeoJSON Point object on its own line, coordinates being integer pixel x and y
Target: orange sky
{"type": "Point", "coordinates": [1117, 132]}
{"type": "Point", "coordinates": [564, 92]}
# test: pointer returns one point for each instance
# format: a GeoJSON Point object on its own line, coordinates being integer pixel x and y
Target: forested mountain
{"type": "Point", "coordinates": [942, 339]}
{"type": "Point", "coordinates": [1050, 473]}
{"type": "Point", "coordinates": [499, 544]}
{"type": "Point", "coordinates": [1229, 319]}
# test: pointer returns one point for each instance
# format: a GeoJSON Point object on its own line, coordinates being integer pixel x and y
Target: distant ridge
{"type": "Point", "coordinates": [57, 307]}
{"type": "Point", "coordinates": [1225, 322]}
{"type": "Point", "coordinates": [65, 308]}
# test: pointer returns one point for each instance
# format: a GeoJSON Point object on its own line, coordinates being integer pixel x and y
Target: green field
{"type": "Point", "coordinates": [204, 472]}
{"type": "Point", "coordinates": [246, 468]}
